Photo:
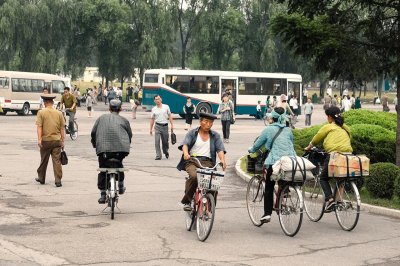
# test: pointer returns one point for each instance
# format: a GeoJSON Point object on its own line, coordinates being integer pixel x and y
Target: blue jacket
{"type": "Point", "coordinates": [283, 145]}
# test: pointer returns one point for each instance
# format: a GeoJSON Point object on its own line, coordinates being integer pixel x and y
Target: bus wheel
{"type": "Point", "coordinates": [203, 108]}
{"type": "Point", "coordinates": [3, 113]}
{"type": "Point", "coordinates": [25, 109]}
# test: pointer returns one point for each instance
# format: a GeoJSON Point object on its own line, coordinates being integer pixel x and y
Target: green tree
{"type": "Point", "coordinates": [347, 39]}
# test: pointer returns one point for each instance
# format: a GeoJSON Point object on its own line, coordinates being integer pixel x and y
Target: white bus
{"type": "Point", "coordinates": [20, 91]}
{"type": "Point", "coordinates": [205, 88]}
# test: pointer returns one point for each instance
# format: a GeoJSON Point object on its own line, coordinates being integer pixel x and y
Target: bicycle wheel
{"type": "Point", "coordinates": [190, 216]}
{"type": "Point", "coordinates": [290, 210]}
{"type": "Point", "coordinates": [205, 216]}
{"type": "Point", "coordinates": [314, 199]}
{"type": "Point", "coordinates": [74, 135]}
{"type": "Point", "coordinates": [255, 199]}
{"type": "Point", "coordinates": [348, 204]}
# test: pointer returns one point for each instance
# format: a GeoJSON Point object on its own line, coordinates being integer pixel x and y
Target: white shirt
{"type": "Point", "coordinates": [346, 104]}
{"type": "Point", "coordinates": [258, 108]}
{"type": "Point", "coordinates": [293, 103]}
{"type": "Point", "coordinates": [161, 115]}
{"type": "Point", "coordinates": [201, 148]}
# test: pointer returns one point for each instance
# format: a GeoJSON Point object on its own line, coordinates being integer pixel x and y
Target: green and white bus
{"type": "Point", "coordinates": [205, 88]}
{"type": "Point", "coordinates": [20, 91]}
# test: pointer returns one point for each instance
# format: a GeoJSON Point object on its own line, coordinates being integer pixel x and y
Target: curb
{"type": "Point", "coordinates": [364, 207]}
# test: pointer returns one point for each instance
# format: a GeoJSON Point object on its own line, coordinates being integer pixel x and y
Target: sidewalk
{"type": "Point", "coordinates": [364, 207]}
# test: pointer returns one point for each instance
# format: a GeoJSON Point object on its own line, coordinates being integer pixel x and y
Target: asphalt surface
{"type": "Point", "coordinates": [45, 225]}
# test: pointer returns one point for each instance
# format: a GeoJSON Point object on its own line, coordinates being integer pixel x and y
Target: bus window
{"type": "Point", "coordinates": [261, 86]}
{"type": "Point", "coordinates": [151, 78]}
{"type": "Point", "coordinates": [57, 86]}
{"type": "Point", "coordinates": [28, 85]}
{"type": "Point", "coordinates": [3, 83]}
{"type": "Point", "coordinates": [37, 85]}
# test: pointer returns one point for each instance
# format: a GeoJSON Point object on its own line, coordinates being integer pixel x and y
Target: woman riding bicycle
{"type": "Point", "coordinates": [336, 138]}
{"type": "Point", "coordinates": [278, 139]}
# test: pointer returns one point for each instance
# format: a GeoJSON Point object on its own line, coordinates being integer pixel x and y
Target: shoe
{"type": "Point", "coordinates": [58, 184]}
{"type": "Point", "coordinates": [102, 199]}
{"type": "Point", "coordinates": [187, 207]}
{"type": "Point", "coordinates": [186, 129]}
{"type": "Point", "coordinates": [157, 158]}
{"type": "Point", "coordinates": [330, 206]}
{"type": "Point", "coordinates": [121, 190]}
{"type": "Point", "coordinates": [40, 181]}
{"type": "Point", "coordinates": [167, 155]}
{"type": "Point", "coordinates": [266, 218]}
{"type": "Point", "coordinates": [227, 141]}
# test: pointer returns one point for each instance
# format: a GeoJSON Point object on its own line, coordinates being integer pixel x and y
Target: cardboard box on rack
{"type": "Point", "coordinates": [340, 162]}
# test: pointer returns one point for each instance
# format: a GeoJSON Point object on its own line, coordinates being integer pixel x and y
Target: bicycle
{"type": "Point", "coordinates": [346, 195]}
{"type": "Point", "coordinates": [288, 203]}
{"type": "Point", "coordinates": [73, 135]}
{"type": "Point", "coordinates": [203, 203]}
{"type": "Point", "coordinates": [112, 177]}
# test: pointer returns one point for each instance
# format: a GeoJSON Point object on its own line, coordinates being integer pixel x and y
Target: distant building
{"type": "Point", "coordinates": [91, 74]}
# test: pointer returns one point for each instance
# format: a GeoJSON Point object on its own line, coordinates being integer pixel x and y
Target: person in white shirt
{"type": "Point", "coordinates": [160, 115]}
{"type": "Point", "coordinates": [352, 101]}
{"type": "Point", "coordinates": [294, 105]}
{"type": "Point", "coordinates": [308, 110]}
{"type": "Point", "coordinates": [258, 111]}
{"type": "Point", "coordinates": [346, 104]}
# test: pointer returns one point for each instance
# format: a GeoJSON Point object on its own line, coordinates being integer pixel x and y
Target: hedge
{"type": "Point", "coordinates": [397, 187]}
{"type": "Point", "coordinates": [380, 182]}
{"type": "Point", "coordinates": [359, 116]}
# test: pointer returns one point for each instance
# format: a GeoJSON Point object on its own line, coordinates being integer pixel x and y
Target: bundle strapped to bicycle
{"type": "Point", "coordinates": [348, 165]}
{"type": "Point", "coordinates": [292, 169]}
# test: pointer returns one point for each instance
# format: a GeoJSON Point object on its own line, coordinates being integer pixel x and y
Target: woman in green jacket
{"type": "Point", "coordinates": [336, 138]}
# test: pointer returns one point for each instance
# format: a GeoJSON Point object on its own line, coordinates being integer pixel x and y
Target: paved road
{"type": "Point", "coordinates": [52, 226]}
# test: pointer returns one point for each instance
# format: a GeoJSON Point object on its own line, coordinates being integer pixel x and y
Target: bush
{"type": "Point", "coordinates": [302, 138]}
{"type": "Point", "coordinates": [383, 119]}
{"type": "Point", "coordinates": [397, 187]}
{"type": "Point", "coordinates": [380, 182]}
{"type": "Point", "coordinates": [377, 143]}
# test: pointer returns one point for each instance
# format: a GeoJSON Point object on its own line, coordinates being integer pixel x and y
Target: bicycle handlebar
{"type": "Point", "coordinates": [206, 168]}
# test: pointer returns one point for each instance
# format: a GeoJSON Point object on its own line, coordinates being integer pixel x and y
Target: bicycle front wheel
{"type": "Point", "coordinates": [74, 135]}
{"type": "Point", "coordinates": [348, 204]}
{"type": "Point", "coordinates": [255, 199]}
{"type": "Point", "coordinates": [314, 199]}
{"type": "Point", "coordinates": [290, 210]}
{"type": "Point", "coordinates": [205, 216]}
{"type": "Point", "coordinates": [190, 216]}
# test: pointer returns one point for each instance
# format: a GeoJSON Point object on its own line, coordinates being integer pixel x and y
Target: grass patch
{"type": "Point", "coordinates": [366, 197]}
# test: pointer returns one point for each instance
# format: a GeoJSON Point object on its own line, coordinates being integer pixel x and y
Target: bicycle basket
{"type": "Point", "coordinates": [210, 179]}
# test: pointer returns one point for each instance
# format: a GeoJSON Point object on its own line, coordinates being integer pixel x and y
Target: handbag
{"type": "Point", "coordinates": [233, 118]}
{"type": "Point", "coordinates": [173, 138]}
{"type": "Point", "coordinates": [64, 158]}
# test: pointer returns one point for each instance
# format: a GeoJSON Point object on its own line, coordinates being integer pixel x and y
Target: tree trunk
{"type": "Point", "coordinates": [183, 56]}
{"type": "Point", "coordinates": [122, 87]}
{"type": "Point", "coordinates": [398, 124]}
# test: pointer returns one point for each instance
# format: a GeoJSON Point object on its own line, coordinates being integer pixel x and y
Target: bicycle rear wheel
{"type": "Point", "coordinates": [290, 210]}
{"type": "Point", "coordinates": [314, 199]}
{"type": "Point", "coordinates": [112, 206]}
{"type": "Point", "coordinates": [190, 216]}
{"type": "Point", "coordinates": [348, 204]}
{"type": "Point", "coordinates": [205, 216]}
{"type": "Point", "coordinates": [74, 135]}
{"type": "Point", "coordinates": [255, 199]}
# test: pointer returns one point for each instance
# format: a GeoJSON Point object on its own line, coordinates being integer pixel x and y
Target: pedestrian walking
{"type": "Point", "coordinates": [105, 95]}
{"type": "Point", "coordinates": [89, 103]}
{"type": "Point", "coordinates": [134, 105]}
{"type": "Point", "coordinates": [334, 101]}
{"type": "Point", "coordinates": [129, 92]}
{"type": "Point", "coordinates": [258, 111]}
{"type": "Point", "coordinates": [327, 101]}
{"type": "Point", "coordinates": [308, 110]}
{"type": "Point", "coordinates": [226, 111]}
{"type": "Point", "coordinates": [140, 95]}
{"type": "Point", "coordinates": [188, 110]}
{"type": "Point", "coordinates": [346, 103]}
{"type": "Point", "coordinates": [50, 132]}
{"type": "Point", "coordinates": [385, 102]}
{"type": "Point", "coordinates": [160, 115]}
{"type": "Point", "coordinates": [357, 104]}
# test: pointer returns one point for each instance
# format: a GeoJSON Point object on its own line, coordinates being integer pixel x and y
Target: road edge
{"type": "Point", "coordinates": [364, 207]}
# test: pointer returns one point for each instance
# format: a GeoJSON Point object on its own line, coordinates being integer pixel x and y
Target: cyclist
{"type": "Point", "coordinates": [204, 144]}
{"type": "Point", "coordinates": [278, 140]}
{"type": "Point", "coordinates": [335, 137]}
{"type": "Point", "coordinates": [111, 136]}
{"type": "Point", "coordinates": [69, 102]}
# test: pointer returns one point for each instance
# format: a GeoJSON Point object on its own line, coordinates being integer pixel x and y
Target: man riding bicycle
{"type": "Point", "coordinates": [204, 144]}
{"type": "Point", "coordinates": [68, 101]}
{"type": "Point", "coordinates": [111, 136]}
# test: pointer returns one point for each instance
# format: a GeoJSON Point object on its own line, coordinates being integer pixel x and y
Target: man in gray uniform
{"type": "Point", "coordinates": [160, 115]}
{"type": "Point", "coordinates": [111, 136]}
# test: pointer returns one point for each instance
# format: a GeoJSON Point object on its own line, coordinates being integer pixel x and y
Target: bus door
{"type": "Point", "coordinates": [229, 85]}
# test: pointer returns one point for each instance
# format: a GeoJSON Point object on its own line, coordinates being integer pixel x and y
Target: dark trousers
{"type": "Point", "coordinates": [128, 97]}
{"type": "Point", "coordinates": [268, 192]}
{"type": "Point", "coordinates": [226, 128]}
{"type": "Point", "coordinates": [308, 119]}
{"type": "Point", "coordinates": [71, 120]}
{"type": "Point", "coordinates": [259, 115]}
{"type": "Point", "coordinates": [161, 133]}
{"type": "Point", "coordinates": [324, 179]}
{"type": "Point", "coordinates": [52, 148]}
{"type": "Point", "coordinates": [191, 182]}
{"type": "Point", "coordinates": [104, 163]}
